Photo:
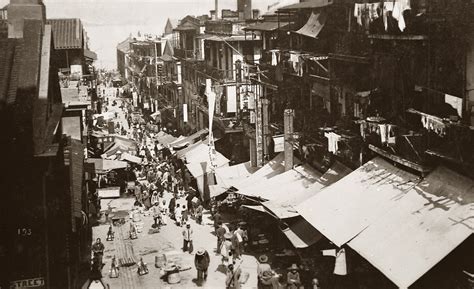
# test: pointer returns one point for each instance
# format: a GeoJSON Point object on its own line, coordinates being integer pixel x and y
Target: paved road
{"type": "Point", "coordinates": [168, 241]}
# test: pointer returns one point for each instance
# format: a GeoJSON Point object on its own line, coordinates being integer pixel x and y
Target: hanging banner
{"type": "Point", "coordinates": [231, 99]}
{"type": "Point", "coordinates": [211, 100]}
{"type": "Point", "coordinates": [185, 112]}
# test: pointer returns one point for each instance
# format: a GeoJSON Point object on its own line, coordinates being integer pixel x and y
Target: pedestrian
{"type": "Point", "coordinates": [156, 214]}
{"type": "Point", "coordinates": [184, 214]}
{"type": "Point", "coordinates": [201, 261]}
{"type": "Point", "coordinates": [232, 280]}
{"type": "Point", "coordinates": [293, 278]}
{"type": "Point", "coordinates": [266, 276]}
{"type": "Point", "coordinates": [226, 248]}
{"type": "Point", "coordinates": [171, 207]}
{"type": "Point", "coordinates": [178, 215]}
{"type": "Point", "coordinates": [199, 212]}
{"type": "Point", "coordinates": [217, 219]}
{"type": "Point", "coordinates": [98, 250]}
{"type": "Point", "coordinates": [188, 239]}
{"type": "Point", "coordinates": [235, 245]}
{"type": "Point", "coordinates": [220, 237]}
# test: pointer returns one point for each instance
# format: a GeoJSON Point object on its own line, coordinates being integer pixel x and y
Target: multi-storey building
{"type": "Point", "coordinates": [45, 234]}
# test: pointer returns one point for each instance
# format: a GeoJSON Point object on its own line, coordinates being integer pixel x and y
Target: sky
{"type": "Point", "coordinates": [108, 22]}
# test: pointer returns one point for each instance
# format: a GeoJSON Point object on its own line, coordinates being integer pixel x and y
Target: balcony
{"type": "Point", "coordinates": [188, 54]}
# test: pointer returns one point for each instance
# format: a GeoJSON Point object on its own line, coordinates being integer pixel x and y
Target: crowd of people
{"type": "Point", "coordinates": [162, 189]}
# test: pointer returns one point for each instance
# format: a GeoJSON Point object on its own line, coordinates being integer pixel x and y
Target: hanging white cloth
{"type": "Point", "coordinates": [333, 140]}
{"type": "Point", "coordinates": [340, 266]}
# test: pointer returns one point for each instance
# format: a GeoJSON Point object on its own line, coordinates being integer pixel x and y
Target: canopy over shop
{"type": "Point", "coordinates": [226, 177]}
{"type": "Point", "coordinates": [198, 161]}
{"type": "Point", "coordinates": [436, 214]}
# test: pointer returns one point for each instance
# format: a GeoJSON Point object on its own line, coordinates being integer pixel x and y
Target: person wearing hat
{"type": "Point", "coordinates": [188, 238]}
{"type": "Point", "coordinates": [201, 261]}
{"type": "Point", "coordinates": [267, 278]}
{"type": "Point", "coordinates": [226, 248]}
{"type": "Point", "coordinates": [293, 278]}
{"type": "Point", "coordinates": [220, 231]}
{"type": "Point", "coordinates": [232, 280]}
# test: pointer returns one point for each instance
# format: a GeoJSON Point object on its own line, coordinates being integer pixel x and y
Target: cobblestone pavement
{"type": "Point", "coordinates": [168, 241]}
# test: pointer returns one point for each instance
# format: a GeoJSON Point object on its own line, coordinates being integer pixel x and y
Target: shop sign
{"type": "Point", "coordinates": [279, 141]}
{"type": "Point", "coordinates": [27, 283]}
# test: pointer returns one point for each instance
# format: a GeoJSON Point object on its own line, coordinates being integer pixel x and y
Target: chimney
{"type": "Point", "coordinates": [289, 116]}
{"type": "Point", "coordinates": [244, 8]}
{"type": "Point", "coordinates": [19, 10]}
{"type": "Point", "coordinates": [216, 4]}
{"type": "Point", "coordinates": [255, 13]}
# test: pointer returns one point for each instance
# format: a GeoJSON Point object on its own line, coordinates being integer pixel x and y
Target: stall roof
{"type": "Point", "coordinates": [311, 4]}
{"type": "Point", "coordinates": [301, 234]}
{"type": "Point", "coordinates": [192, 138]}
{"type": "Point", "coordinates": [198, 161]}
{"type": "Point", "coordinates": [226, 177]}
{"type": "Point", "coordinates": [130, 158]}
{"type": "Point", "coordinates": [424, 226]}
{"type": "Point", "coordinates": [102, 165]}
{"type": "Point", "coordinates": [314, 25]}
{"type": "Point", "coordinates": [344, 209]}
{"type": "Point", "coordinates": [267, 26]}
{"type": "Point", "coordinates": [298, 178]}
{"type": "Point", "coordinates": [165, 138]}
{"type": "Point", "coordinates": [274, 167]}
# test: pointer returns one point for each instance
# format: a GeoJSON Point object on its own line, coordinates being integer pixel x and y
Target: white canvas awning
{"type": "Point", "coordinates": [390, 216]}
{"type": "Point", "coordinates": [314, 25]}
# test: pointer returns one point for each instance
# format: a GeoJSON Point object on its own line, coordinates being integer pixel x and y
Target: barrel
{"type": "Point", "coordinates": [160, 261]}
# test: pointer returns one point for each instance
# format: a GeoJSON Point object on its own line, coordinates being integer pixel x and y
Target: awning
{"type": "Point", "coordinates": [301, 234]}
{"type": "Point", "coordinates": [314, 25]}
{"type": "Point", "coordinates": [195, 137]}
{"type": "Point", "coordinates": [229, 38]}
{"type": "Point", "coordinates": [267, 26]}
{"type": "Point", "coordinates": [311, 4]}
{"type": "Point", "coordinates": [424, 226]}
{"type": "Point", "coordinates": [255, 208]}
{"type": "Point", "coordinates": [111, 192]}
{"type": "Point", "coordinates": [102, 165]}
{"type": "Point", "coordinates": [164, 138]}
{"type": "Point", "coordinates": [274, 167]}
{"type": "Point", "coordinates": [198, 160]}
{"type": "Point", "coordinates": [283, 206]}
{"type": "Point", "coordinates": [390, 216]}
{"type": "Point", "coordinates": [226, 177]}
{"type": "Point", "coordinates": [296, 179]}
{"type": "Point", "coordinates": [130, 158]}
{"type": "Point", "coordinates": [344, 209]}
{"type": "Point", "coordinates": [216, 190]}
{"type": "Point", "coordinates": [179, 139]}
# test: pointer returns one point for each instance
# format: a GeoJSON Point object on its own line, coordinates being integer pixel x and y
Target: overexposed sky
{"type": "Point", "coordinates": [108, 22]}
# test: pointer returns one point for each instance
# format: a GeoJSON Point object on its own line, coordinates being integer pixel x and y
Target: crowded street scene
{"type": "Point", "coordinates": [228, 144]}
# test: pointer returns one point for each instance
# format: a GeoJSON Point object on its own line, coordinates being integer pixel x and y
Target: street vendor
{"type": "Point", "coordinates": [266, 276]}
{"type": "Point", "coordinates": [293, 278]}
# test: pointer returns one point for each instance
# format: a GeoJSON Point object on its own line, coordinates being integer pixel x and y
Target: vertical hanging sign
{"type": "Point", "coordinates": [185, 112]}
{"type": "Point", "coordinates": [211, 100]}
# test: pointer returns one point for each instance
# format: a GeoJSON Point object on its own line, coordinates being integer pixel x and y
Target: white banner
{"type": "Point", "coordinates": [185, 112]}
{"type": "Point", "coordinates": [231, 99]}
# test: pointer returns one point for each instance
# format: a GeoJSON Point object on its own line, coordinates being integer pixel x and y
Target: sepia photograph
{"type": "Point", "coordinates": [237, 144]}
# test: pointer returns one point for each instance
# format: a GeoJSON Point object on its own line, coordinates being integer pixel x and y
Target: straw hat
{"type": "Point", "coordinates": [293, 267]}
{"type": "Point", "coordinates": [263, 259]}
{"type": "Point", "coordinates": [228, 235]}
{"type": "Point", "coordinates": [200, 251]}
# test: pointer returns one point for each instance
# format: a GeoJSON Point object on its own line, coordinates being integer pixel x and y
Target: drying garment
{"type": "Point", "coordinates": [383, 133]}
{"type": "Point", "coordinates": [340, 267]}
{"type": "Point", "coordinates": [455, 102]}
{"type": "Point", "coordinates": [294, 59]}
{"type": "Point", "coordinates": [366, 12]}
{"type": "Point", "coordinates": [275, 57]}
{"type": "Point", "coordinates": [397, 7]}
{"type": "Point", "coordinates": [391, 137]}
{"type": "Point", "coordinates": [435, 124]}
{"type": "Point", "coordinates": [333, 140]}
{"type": "Point", "coordinates": [363, 128]}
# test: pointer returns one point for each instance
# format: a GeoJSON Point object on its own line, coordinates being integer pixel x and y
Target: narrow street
{"type": "Point", "coordinates": [169, 242]}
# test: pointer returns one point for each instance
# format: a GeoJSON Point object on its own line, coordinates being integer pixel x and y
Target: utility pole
{"type": "Point", "coordinates": [289, 116]}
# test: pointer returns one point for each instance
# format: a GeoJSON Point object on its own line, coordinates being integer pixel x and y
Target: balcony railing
{"type": "Point", "coordinates": [187, 54]}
